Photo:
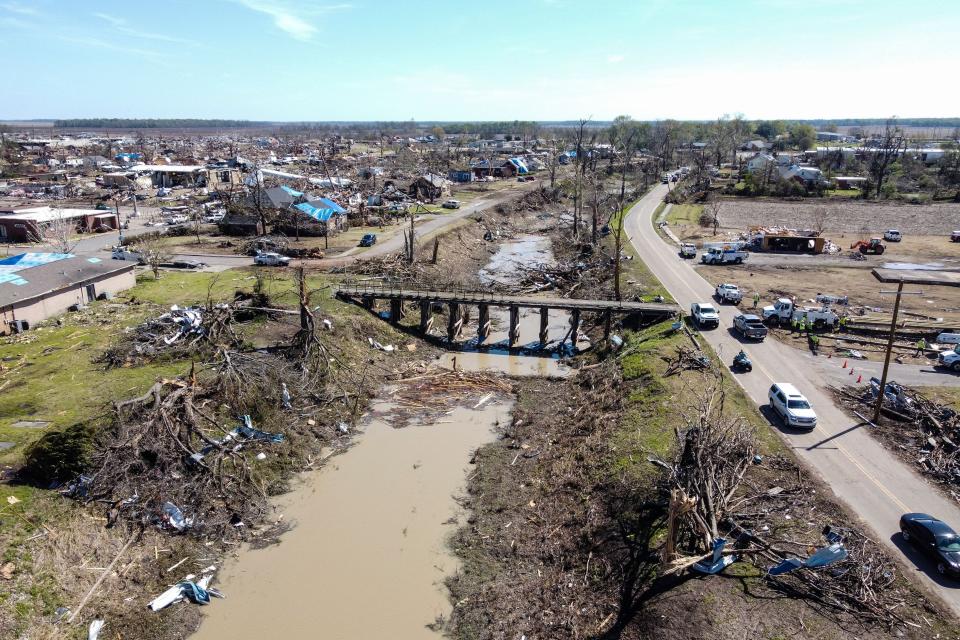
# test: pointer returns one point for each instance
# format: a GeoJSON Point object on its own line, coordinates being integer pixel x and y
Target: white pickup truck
{"type": "Point", "coordinates": [950, 359]}
{"type": "Point", "coordinates": [729, 293]}
{"type": "Point", "coordinates": [688, 250]}
{"type": "Point", "coordinates": [705, 315]}
{"type": "Point", "coordinates": [716, 255]}
{"type": "Point", "coordinates": [783, 311]}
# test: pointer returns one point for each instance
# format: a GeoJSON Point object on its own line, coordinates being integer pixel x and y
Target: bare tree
{"type": "Point", "coordinates": [153, 251]}
{"type": "Point", "coordinates": [819, 218]}
{"type": "Point", "coordinates": [580, 170]}
{"type": "Point", "coordinates": [711, 215]}
{"type": "Point", "coordinates": [57, 233]}
{"type": "Point", "coordinates": [885, 153]}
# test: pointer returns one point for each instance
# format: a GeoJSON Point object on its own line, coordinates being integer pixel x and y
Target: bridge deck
{"type": "Point", "coordinates": [495, 299]}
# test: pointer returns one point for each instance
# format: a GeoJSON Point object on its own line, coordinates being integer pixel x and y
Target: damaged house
{"type": "Point", "coordinates": [36, 223]}
{"type": "Point", "coordinates": [429, 187]}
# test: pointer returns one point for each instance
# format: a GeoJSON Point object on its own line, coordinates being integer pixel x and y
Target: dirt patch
{"type": "Point", "coordinates": [849, 217]}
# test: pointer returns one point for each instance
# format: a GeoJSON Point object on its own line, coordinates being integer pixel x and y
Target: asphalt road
{"type": "Point", "coordinates": [876, 485]}
{"type": "Point", "coordinates": [426, 225]}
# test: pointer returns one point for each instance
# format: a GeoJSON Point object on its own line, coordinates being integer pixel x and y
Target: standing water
{"type": "Point", "coordinates": [368, 556]}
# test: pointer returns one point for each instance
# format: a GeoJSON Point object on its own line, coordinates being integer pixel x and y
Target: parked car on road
{"type": "Point", "coordinates": [729, 293]}
{"type": "Point", "coordinates": [892, 235]}
{"type": "Point", "coordinates": [955, 236]}
{"type": "Point", "coordinates": [214, 218]}
{"type": "Point", "coordinates": [183, 264]}
{"type": "Point", "coordinates": [750, 326]}
{"type": "Point", "coordinates": [935, 539]}
{"type": "Point", "coordinates": [368, 240]}
{"type": "Point", "coordinates": [125, 253]}
{"type": "Point", "coordinates": [271, 259]}
{"type": "Point", "coordinates": [791, 405]}
{"type": "Point", "coordinates": [178, 219]}
{"type": "Point", "coordinates": [451, 204]}
{"type": "Point", "coordinates": [705, 315]}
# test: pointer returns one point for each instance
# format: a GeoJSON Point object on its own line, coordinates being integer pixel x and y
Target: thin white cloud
{"type": "Point", "coordinates": [22, 9]}
{"type": "Point", "coordinates": [295, 21]}
{"type": "Point", "coordinates": [122, 26]}
{"type": "Point", "coordinates": [97, 43]}
{"type": "Point", "coordinates": [616, 58]}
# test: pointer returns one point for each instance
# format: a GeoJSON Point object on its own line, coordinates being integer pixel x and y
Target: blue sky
{"type": "Point", "coordinates": [499, 59]}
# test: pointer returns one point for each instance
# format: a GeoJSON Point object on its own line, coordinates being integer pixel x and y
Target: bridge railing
{"type": "Point", "coordinates": [392, 289]}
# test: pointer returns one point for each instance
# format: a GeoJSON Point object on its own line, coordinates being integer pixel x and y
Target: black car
{"type": "Point", "coordinates": [368, 240]}
{"type": "Point", "coordinates": [934, 538]}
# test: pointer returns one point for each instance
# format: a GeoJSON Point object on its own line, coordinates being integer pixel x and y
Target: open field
{"type": "Point", "coordinates": [804, 276]}
{"type": "Point", "coordinates": [845, 217]}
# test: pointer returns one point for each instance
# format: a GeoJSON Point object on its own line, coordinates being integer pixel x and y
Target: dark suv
{"type": "Point", "coordinates": [368, 240]}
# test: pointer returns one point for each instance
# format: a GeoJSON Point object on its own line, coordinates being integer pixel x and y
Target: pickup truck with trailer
{"type": "Point", "coordinates": [716, 255]}
{"type": "Point", "coordinates": [731, 293]}
{"type": "Point", "coordinates": [705, 315]}
{"type": "Point", "coordinates": [750, 326]}
{"type": "Point", "coordinates": [783, 311]}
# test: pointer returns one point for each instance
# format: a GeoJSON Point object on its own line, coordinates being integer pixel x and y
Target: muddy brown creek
{"type": "Point", "coordinates": [368, 552]}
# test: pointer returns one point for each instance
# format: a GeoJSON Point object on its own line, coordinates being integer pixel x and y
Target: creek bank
{"type": "Point", "coordinates": [377, 519]}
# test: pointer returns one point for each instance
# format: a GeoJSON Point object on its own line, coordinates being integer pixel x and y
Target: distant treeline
{"type": "Point", "coordinates": [153, 123]}
{"type": "Point", "coordinates": [873, 122]}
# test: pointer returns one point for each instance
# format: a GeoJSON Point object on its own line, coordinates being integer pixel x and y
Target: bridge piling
{"type": "Point", "coordinates": [574, 328]}
{"type": "Point", "coordinates": [454, 322]}
{"type": "Point", "coordinates": [544, 321]}
{"type": "Point", "coordinates": [396, 310]}
{"type": "Point", "coordinates": [607, 321]}
{"type": "Point", "coordinates": [425, 316]}
{"type": "Point", "coordinates": [514, 325]}
{"type": "Point", "coordinates": [483, 323]}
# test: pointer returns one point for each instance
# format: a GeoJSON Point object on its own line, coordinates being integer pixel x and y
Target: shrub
{"type": "Point", "coordinates": [59, 456]}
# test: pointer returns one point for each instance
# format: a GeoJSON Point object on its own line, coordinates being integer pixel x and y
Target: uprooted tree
{"type": "Point", "coordinates": [714, 451]}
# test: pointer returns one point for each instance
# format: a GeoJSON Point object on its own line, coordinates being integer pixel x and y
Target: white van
{"type": "Point", "coordinates": [792, 406]}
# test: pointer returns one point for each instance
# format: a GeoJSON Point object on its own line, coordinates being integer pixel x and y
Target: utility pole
{"type": "Point", "coordinates": [890, 337]}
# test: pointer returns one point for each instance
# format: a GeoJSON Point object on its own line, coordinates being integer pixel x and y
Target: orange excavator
{"type": "Point", "coordinates": [873, 245]}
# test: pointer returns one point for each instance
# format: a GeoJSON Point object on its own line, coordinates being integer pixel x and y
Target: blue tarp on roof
{"type": "Point", "coordinates": [520, 165]}
{"type": "Point", "coordinates": [10, 267]}
{"type": "Point", "coordinates": [292, 192]}
{"type": "Point", "coordinates": [32, 259]}
{"type": "Point", "coordinates": [321, 213]}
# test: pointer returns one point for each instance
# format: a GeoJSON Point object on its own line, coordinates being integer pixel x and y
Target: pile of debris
{"type": "Point", "coordinates": [719, 490]}
{"type": "Point", "coordinates": [925, 433]}
{"type": "Point", "coordinates": [428, 396]}
{"type": "Point", "coordinates": [277, 244]}
{"type": "Point", "coordinates": [177, 332]}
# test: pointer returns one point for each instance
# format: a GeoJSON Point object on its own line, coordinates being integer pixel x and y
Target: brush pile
{"type": "Point", "coordinates": [923, 432]}
{"type": "Point", "coordinates": [425, 398]}
{"type": "Point", "coordinates": [174, 334]}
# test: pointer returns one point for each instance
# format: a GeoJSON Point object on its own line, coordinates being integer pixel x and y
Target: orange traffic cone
{"type": "Point", "coordinates": [844, 365]}
{"type": "Point", "coordinates": [859, 378]}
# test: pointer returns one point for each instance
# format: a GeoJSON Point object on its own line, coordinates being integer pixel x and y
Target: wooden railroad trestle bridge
{"type": "Point", "coordinates": [459, 302]}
